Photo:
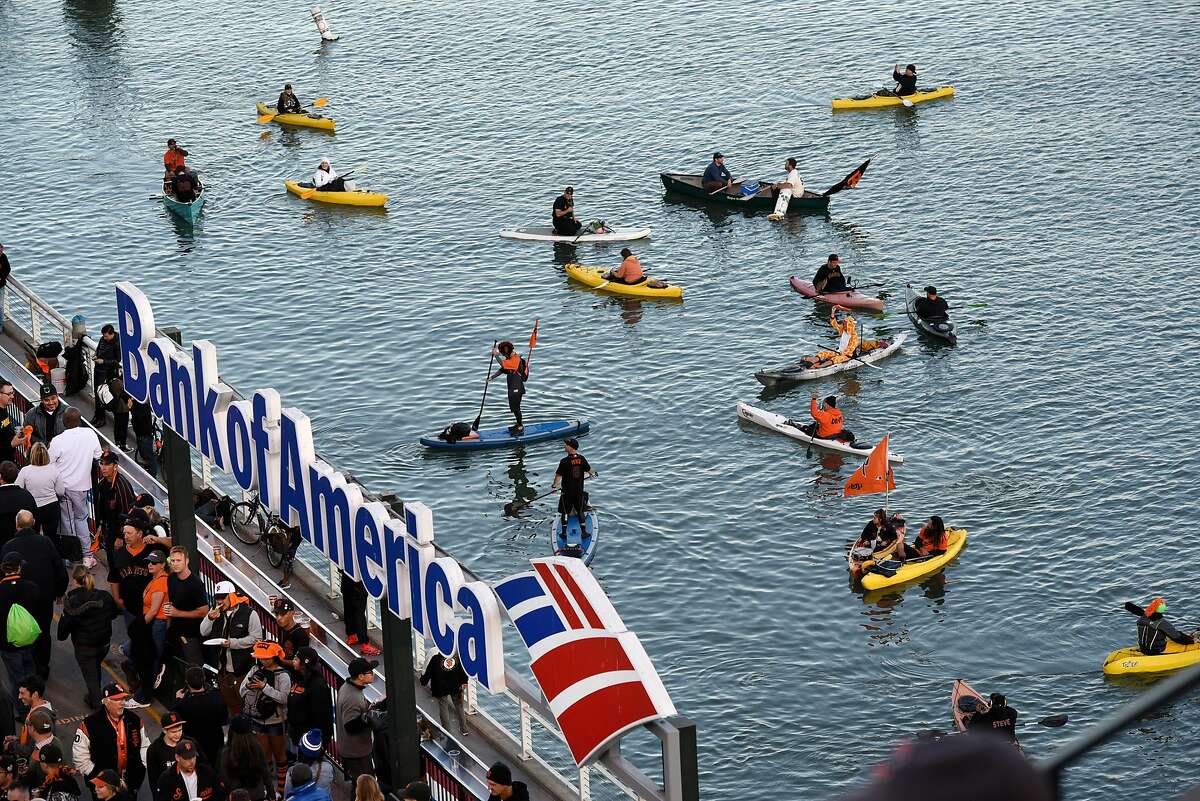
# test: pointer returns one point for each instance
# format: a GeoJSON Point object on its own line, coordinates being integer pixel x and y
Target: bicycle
{"type": "Point", "coordinates": [250, 519]}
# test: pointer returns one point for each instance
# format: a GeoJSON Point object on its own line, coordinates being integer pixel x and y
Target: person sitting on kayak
{"type": "Point", "coordinates": [327, 180]}
{"type": "Point", "coordinates": [288, 103]}
{"type": "Point", "coordinates": [997, 717]}
{"type": "Point", "coordinates": [931, 308]}
{"type": "Point", "coordinates": [173, 159]}
{"type": "Point", "coordinates": [932, 540]}
{"type": "Point", "coordinates": [716, 176]}
{"type": "Point", "coordinates": [630, 272]}
{"type": "Point", "coordinates": [881, 538]}
{"type": "Point", "coordinates": [848, 343]}
{"type": "Point", "coordinates": [1154, 630]}
{"type": "Point", "coordinates": [572, 470]}
{"type": "Point", "coordinates": [829, 276]}
{"type": "Point", "coordinates": [516, 373]}
{"type": "Point", "coordinates": [906, 82]}
{"type": "Point", "coordinates": [830, 424]}
{"type": "Point", "coordinates": [183, 186]}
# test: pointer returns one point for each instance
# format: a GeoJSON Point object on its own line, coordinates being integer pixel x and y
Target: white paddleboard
{"type": "Point", "coordinates": [544, 233]}
{"type": "Point", "coordinates": [779, 423]}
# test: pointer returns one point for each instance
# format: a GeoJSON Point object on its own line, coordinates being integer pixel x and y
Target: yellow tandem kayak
{"type": "Point", "coordinates": [357, 197]}
{"type": "Point", "coordinates": [917, 568]}
{"type": "Point", "coordinates": [885, 101]}
{"type": "Point", "coordinates": [1127, 661]}
{"type": "Point", "coordinates": [303, 120]}
{"type": "Point", "coordinates": [592, 277]}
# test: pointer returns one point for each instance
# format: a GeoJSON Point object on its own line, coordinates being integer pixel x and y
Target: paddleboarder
{"type": "Point", "coordinates": [829, 276]}
{"type": "Point", "coordinates": [563, 220]}
{"type": "Point", "coordinates": [830, 424]}
{"type": "Point", "coordinates": [716, 176]}
{"type": "Point", "coordinates": [516, 372]}
{"type": "Point", "coordinates": [572, 470]}
{"type": "Point", "coordinates": [931, 308]}
{"type": "Point", "coordinates": [288, 103]}
{"type": "Point", "coordinates": [1154, 630]}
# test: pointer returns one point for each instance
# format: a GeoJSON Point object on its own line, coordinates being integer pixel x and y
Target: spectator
{"type": "Point", "coordinates": [113, 498]}
{"type": "Point", "coordinates": [107, 363]}
{"type": "Point", "coordinates": [189, 779]}
{"type": "Point", "coordinates": [160, 756]}
{"type": "Point", "coordinates": [13, 499]}
{"type": "Point", "coordinates": [19, 791]}
{"type": "Point", "coordinates": [87, 617]}
{"type": "Point", "coordinates": [44, 483]}
{"type": "Point", "coordinates": [366, 788]}
{"type": "Point", "coordinates": [39, 727]}
{"type": "Point", "coordinates": [107, 786]}
{"type": "Point", "coordinates": [8, 773]}
{"type": "Point", "coordinates": [112, 738]}
{"type": "Point", "coordinates": [310, 703]}
{"type": "Point", "coordinates": [417, 791]}
{"type": "Point", "coordinates": [501, 786]}
{"type": "Point", "coordinates": [72, 452]}
{"type": "Point", "coordinates": [142, 420]}
{"type": "Point", "coordinates": [238, 627]}
{"type": "Point", "coordinates": [58, 782]}
{"type": "Point", "coordinates": [128, 578]}
{"type": "Point", "coordinates": [16, 591]}
{"type": "Point", "coordinates": [292, 636]}
{"type": "Point", "coordinates": [354, 612]}
{"type": "Point", "coordinates": [10, 423]}
{"type": "Point", "coordinates": [187, 604]}
{"type": "Point", "coordinates": [118, 404]}
{"type": "Point", "coordinates": [5, 269]}
{"type": "Point", "coordinates": [31, 692]}
{"type": "Point", "coordinates": [310, 752]}
{"type": "Point", "coordinates": [44, 567]}
{"type": "Point", "coordinates": [204, 714]}
{"type": "Point", "coordinates": [244, 763]}
{"type": "Point", "coordinates": [304, 786]}
{"type": "Point", "coordinates": [47, 417]}
{"type": "Point", "coordinates": [355, 735]}
{"type": "Point", "coordinates": [447, 681]}
{"type": "Point", "coordinates": [210, 507]}
{"type": "Point", "coordinates": [154, 600]}
{"type": "Point", "coordinates": [264, 694]}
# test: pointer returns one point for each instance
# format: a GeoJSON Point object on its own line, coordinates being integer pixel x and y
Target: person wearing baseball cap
{"type": "Point", "coordinates": [47, 417]}
{"type": "Point", "coordinates": [292, 635]}
{"type": "Point", "coordinates": [502, 787]}
{"type": "Point", "coordinates": [716, 176]}
{"type": "Point", "coordinates": [112, 739]}
{"type": "Point", "coordinates": [310, 703]}
{"type": "Point", "coordinates": [109, 787]}
{"type": "Point", "coordinates": [189, 778]}
{"type": "Point", "coordinates": [55, 775]}
{"type": "Point", "coordinates": [353, 713]}
{"type": "Point", "coordinates": [203, 712]}
{"type": "Point", "coordinates": [16, 591]}
{"type": "Point", "coordinates": [113, 498]}
{"type": "Point", "coordinates": [931, 307]}
{"type": "Point", "coordinates": [161, 754]}
{"type": "Point", "coordinates": [265, 693]}
{"type": "Point", "coordinates": [236, 625]}
{"type": "Point", "coordinates": [129, 576]}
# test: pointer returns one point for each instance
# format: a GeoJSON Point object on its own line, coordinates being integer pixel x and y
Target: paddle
{"type": "Point", "coordinates": [487, 376]}
{"type": "Point", "coordinates": [512, 507]}
{"type": "Point", "coordinates": [1052, 722]}
{"type": "Point", "coordinates": [307, 193]}
{"type": "Point", "coordinates": [729, 185]}
{"type": "Point", "coordinates": [320, 102]}
{"type": "Point", "coordinates": [852, 358]}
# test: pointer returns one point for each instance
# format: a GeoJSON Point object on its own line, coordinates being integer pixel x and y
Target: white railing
{"type": "Point", "coordinates": [522, 703]}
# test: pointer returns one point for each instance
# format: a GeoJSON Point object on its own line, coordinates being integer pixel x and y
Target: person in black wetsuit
{"type": "Point", "coordinates": [564, 214]}
{"type": "Point", "coordinates": [288, 103]}
{"type": "Point", "coordinates": [999, 718]}
{"type": "Point", "coordinates": [572, 470]}
{"type": "Point", "coordinates": [932, 308]}
{"type": "Point", "coordinates": [516, 373]}
{"type": "Point", "coordinates": [1154, 630]}
{"type": "Point", "coordinates": [906, 82]}
{"type": "Point", "coordinates": [829, 276]}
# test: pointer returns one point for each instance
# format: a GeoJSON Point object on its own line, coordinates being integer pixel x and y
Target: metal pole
{"type": "Point", "coordinates": [684, 766]}
{"type": "Point", "coordinates": [402, 700]}
{"type": "Point", "coordinates": [176, 475]}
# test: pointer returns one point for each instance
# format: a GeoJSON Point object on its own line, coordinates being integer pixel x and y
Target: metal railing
{"type": "Point", "coordinates": [519, 712]}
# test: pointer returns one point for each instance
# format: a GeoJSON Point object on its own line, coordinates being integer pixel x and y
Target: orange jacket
{"type": "Point", "coordinates": [829, 421]}
{"type": "Point", "coordinates": [173, 160]}
{"type": "Point", "coordinates": [630, 270]}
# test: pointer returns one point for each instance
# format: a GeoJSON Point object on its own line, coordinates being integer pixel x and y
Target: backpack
{"type": "Point", "coordinates": [23, 630]}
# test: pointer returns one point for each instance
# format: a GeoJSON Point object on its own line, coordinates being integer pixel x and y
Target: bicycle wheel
{"type": "Point", "coordinates": [276, 542]}
{"type": "Point", "coordinates": [247, 522]}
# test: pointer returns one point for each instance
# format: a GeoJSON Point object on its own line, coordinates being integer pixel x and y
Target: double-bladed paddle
{"type": "Point", "coordinates": [318, 103]}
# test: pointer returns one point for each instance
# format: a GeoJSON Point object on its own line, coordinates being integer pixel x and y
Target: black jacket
{"type": "Point", "coordinates": [160, 757]}
{"type": "Point", "coordinates": [209, 786]}
{"type": "Point", "coordinates": [45, 426]}
{"type": "Point", "coordinates": [43, 566]}
{"type": "Point", "coordinates": [204, 714]}
{"type": "Point", "coordinates": [310, 706]}
{"type": "Point", "coordinates": [110, 352]}
{"type": "Point", "coordinates": [13, 499]}
{"type": "Point", "coordinates": [1154, 631]}
{"type": "Point", "coordinates": [102, 745]}
{"type": "Point", "coordinates": [441, 681]}
{"type": "Point", "coordinates": [87, 617]}
{"type": "Point", "coordinates": [520, 793]}
{"type": "Point", "coordinates": [14, 590]}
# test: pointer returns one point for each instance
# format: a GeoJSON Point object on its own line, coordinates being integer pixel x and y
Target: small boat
{"type": "Point", "coordinates": [791, 428]}
{"type": "Point", "coordinates": [888, 573]}
{"type": "Point", "coordinates": [890, 101]}
{"type": "Point", "coordinates": [501, 438]}
{"type": "Point", "coordinates": [355, 197]}
{"type": "Point", "coordinates": [574, 544]}
{"type": "Point", "coordinates": [963, 690]}
{"type": "Point", "coordinates": [186, 211]}
{"type": "Point", "coordinates": [851, 299]}
{"type": "Point", "coordinates": [1130, 661]}
{"type": "Point", "coordinates": [762, 200]}
{"type": "Point", "coordinates": [798, 371]}
{"type": "Point", "coordinates": [942, 329]}
{"type": "Point", "coordinates": [545, 233]}
{"type": "Point", "coordinates": [594, 277]}
{"type": "Point", "coordinates": [301, 120]}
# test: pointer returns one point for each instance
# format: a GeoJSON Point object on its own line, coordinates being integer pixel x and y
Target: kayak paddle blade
{"type": "Point", "coordinates": [1054, 721]}
{"type": "Point", "coordinates": [321, 101]}
{"type": "Point", "coordinates": [266, 118]}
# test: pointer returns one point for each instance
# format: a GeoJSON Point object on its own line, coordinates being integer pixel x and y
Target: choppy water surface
{"type": "Point", "coordinates": [1059, 431]}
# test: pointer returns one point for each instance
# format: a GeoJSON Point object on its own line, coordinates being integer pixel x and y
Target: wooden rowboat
{"type": "Point", "coordinates": [763, 200]}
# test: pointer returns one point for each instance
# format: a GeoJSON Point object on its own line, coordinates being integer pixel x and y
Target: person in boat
{"type": "Point", "coordinates": [997, 717]}
{"type": "Point", "coordinates": [1154, 630]}
{"type": "Point", "coordinates": [564, 220]}
{"type": "Point", "coordinates": [931, 308]}
{"type": "Point", "coordinates": [830, 424]}
{"type": "Point", "coordinates": [791, 186]}
{"type": "Point", "coordinates": [716, 176]}
{"type": "Point", "coordinates": [288, 103]}
{"type": "Point", "coordinates": [848, 343]}
{"type": "Point", "coordinates": [932, 539]}
{"type": "Point", "coordinates": [829, 276]}
{"type": "Point", "coordinates": [572, 470]}
{"type": "Point", "coordinates": [906, 82]}
{"type": "Point", "coordinates": [174, 158]}
{"type": "Point", "coordinates": [630, 272]}
{"type": "Point", "coordinates": [184, 187]}
{"type": "Point", "coordinates": [880, 539]}
{"type": "Point", "coordinates": [516, 372]}
{"type": "Point", "coordinates": [327, 180]}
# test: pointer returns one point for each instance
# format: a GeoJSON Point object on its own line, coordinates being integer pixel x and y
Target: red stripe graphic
{"type": "Point", "coordinates": [577, 660]}
{"type": "Point", "coordinates": [602, 714]}
{"type": "Point", "coordinates": [560, 600]}
{"type": "Point", "coordinates": [569, 581]}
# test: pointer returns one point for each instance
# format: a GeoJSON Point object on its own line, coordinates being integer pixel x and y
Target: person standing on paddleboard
{"type": "Point", "coordinates": [516, 373]}
{"type": "Point", "coordinates": [829, 276]}
{"type": "Point", "coordinates": [572, 470]}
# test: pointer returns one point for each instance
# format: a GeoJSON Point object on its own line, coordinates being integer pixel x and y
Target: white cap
{"type": "Point", "coordinates": [223, 588]}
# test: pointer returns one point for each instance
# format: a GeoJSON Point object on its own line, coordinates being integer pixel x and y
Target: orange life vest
{"type": "Point", "coordinates": [173, 160]}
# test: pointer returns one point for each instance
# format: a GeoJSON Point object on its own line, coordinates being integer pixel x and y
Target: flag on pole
{"type": "Point", "coordinates": [875, 475]}
{"type": "Point", "coordinates": [532, 343]}
{"type": "Point", "coordinates": [850, 181]}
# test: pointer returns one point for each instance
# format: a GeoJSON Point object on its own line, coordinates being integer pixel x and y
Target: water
{"type": "Point", "coordinates": [1058, 431]}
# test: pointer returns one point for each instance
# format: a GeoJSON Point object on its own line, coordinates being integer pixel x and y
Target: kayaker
{"type": "Point", "coordinates": [932, 539]}
{"type": "Point", "coordinates": [716, 176]}
{"type": "Point", "coordinates": [630, 272]}
{"type": "Point", "coordinates": [879, 540]}
{"type": "Point", "coordinates": [998, 718]}
{"type": "Point", "coordinates": [932, 308]}
{"type": "Point", "coordinates": [572, 470]}
{"type": "Point", "coordinates": [906, 82]}
{"type": "Point", "coordinates": [848, 343]}
{"type": "Point", "coordinates": [173, 159]}
{"type": "Point", "coordinates": [327, 180]}
{"type": "Point", "coordinates": [288, 103]}
{"type": "Point", "coordinates": [1154, 630]}
{"type": "Point", "coordinates": [516, 373]}
{"type": "Point", "coordinates": [829, 276]}
{"type": "Point", "coordinates": [564, 213]}
{"type": "Point", "coordinates": [830, 422]}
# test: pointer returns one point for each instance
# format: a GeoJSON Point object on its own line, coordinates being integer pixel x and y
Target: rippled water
{"type": "Point", "coordinates": [1064, 168]}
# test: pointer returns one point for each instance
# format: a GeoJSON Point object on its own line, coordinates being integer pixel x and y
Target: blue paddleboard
{"type": "Point", "coordinates": [500, 438]}
{"type": "Point", "coordinates": [574, 544]}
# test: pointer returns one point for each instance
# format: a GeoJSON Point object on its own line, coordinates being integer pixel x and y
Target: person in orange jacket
{"type": "Point", "coordinates": [830, 422]}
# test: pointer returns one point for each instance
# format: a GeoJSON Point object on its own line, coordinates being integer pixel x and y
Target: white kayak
{"type": "Point", "coordinates": [544, 233]}
{"type": "Point", "coordinates": [791, 428]}
{"type": "Point", "coordinates": [798, 371]}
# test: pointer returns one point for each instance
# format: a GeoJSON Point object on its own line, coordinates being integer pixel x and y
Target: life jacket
{"type": "Point", "coordinates": [829, 421]}
{"type": "Point", "coordinates": [939, 544]}
{"type": "Point", "coordinates": [173, 160]}
{"type": "Point", "coordinates": [631, 270]}
{"type": "Point", "coordinates": [515, 364]}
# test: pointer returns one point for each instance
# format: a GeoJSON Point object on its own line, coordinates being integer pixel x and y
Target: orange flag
{"type": "Point", "coordinates": [533, 338]}
{"type": "Point", "coordinates": [874, 476]}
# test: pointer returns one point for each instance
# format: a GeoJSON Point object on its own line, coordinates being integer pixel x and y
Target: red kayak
{"type": "Point", "coordinates": [851, 299]}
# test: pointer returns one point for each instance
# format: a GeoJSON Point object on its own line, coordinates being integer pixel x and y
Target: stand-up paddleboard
{"type": "Point", "coordinates": [851, 298]}
{"type": "Point", "coordinates": [791, 428]}
{"type": "Point", "coordinates": [545, 233]}
{"type": "Point", "coordinates": [501, 438]}
{"type": "Point", "coordinates": [573, 543]}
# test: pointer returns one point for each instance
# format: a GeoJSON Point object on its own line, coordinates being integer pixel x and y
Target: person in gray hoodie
{"type": "Point", "coordinates": [264, 693]}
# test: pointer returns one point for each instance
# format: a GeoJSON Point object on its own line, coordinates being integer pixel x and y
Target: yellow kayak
{"type": "Point", "coordinates": [1127, 661]}
{"type": "Point", "coordinates": [917, 568]}
{"type": "Point", "coordinates": [357, 197]}
{"type": "Point", "coordinates": [885, 101]}
{"type": "Point", "coordinates": [593, 277]}
{"type": "Point", "coordinates": [303, 120]}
